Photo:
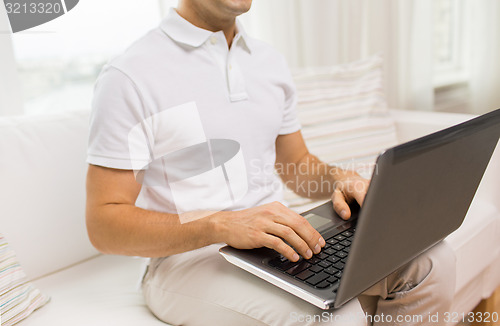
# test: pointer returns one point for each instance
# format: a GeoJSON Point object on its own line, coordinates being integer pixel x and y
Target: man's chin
{"type": "Point", "coordinates": [238, 7]}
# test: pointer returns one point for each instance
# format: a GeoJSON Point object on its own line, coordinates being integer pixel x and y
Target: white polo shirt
{"type": "Point", "coordinates": [200, 119]}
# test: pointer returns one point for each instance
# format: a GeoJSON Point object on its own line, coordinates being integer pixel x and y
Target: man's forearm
{"type": "Point", "coordinates": [128, 230]}
{"type": "Point", "coordinates": [116, 226]}
{"type": "Point", "coordinates": [312, 178]}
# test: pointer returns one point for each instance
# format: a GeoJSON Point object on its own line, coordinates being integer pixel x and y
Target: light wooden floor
{"type": "Point", "coordinates": [487, 307]}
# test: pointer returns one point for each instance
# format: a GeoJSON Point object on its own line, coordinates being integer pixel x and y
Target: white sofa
{"type": "Point", "coordinates": [42, 167]}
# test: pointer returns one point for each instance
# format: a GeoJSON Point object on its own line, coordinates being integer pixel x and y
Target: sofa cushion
{"type": "Point", "coordinates": [344, 116]}
{"type": "Point", "coordinates": [18, 297]}
{"type": "Point", "coordinates": [42, 168]}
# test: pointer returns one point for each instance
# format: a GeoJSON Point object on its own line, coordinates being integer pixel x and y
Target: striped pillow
{"type": "Point", "coordinates": [18, 297]}
{"type": "Point", "coordinates": [344, 116]}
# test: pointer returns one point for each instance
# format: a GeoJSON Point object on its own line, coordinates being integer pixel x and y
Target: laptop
{"type": "Point", "coordinates": [419, 193]}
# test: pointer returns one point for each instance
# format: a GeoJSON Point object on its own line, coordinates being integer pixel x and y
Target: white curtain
{"type": "Point", "coordinates": [10, 93]}
{"type": "Point", "coordinates": [484, 57]}
{"type": "Point", "coordinates": [328, 32]}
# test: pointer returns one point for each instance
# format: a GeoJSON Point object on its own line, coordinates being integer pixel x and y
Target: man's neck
{"type": "Point", "coordinates": [198, 19]}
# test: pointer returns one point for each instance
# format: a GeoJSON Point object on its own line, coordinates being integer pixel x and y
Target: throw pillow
{"type": "Point", "coordinates": [18, 297]}
{"type": "Point", "coordinates": [344, 116]}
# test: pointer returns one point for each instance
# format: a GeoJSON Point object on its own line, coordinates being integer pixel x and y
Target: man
{"type": "Point", "coordinates": [157, 112]}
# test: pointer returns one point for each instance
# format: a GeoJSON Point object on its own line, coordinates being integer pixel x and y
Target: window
{"type": "Point", "coordinates": [450, 40]}
{"type": "Point", "coordinates": [58, 62]}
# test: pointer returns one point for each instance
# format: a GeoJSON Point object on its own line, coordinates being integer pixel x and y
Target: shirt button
{"type": "Point", "coordinates": [213, 40]}
{"type": "Point", "coordinates": [230, 67]}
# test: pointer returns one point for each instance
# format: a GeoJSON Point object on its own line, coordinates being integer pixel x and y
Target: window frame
{"type": "Point", "coordinates": [458, 71]}
{"type": "Point", "coordinates": [11, 101]}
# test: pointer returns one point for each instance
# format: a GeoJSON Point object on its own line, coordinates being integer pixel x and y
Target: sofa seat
{"type": "Point", "coordinates": [104, 290]}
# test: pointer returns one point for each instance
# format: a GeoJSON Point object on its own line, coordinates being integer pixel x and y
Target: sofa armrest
{"type": "Point", "coordinates": [414, 124]}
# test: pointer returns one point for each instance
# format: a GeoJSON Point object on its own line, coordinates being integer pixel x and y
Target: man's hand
{"type": "Point", "coordinates": [309, 177]}
{"type": "Point", "coordinates": [349, 187]}
{"type": "Point", "coordinates": [270, 225]}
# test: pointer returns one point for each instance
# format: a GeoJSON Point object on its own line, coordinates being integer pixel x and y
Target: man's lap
{"type": "Point", "coordinates": [200, 287]}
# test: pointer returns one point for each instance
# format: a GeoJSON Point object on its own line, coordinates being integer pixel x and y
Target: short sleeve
{"type": "Point", "coordinates": [117, 137]}
{"type": "Point", "coordinates": [290, 122]}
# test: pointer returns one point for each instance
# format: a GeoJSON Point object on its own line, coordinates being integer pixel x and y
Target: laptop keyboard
{"type": "Point", "coordinates": [323, 270]}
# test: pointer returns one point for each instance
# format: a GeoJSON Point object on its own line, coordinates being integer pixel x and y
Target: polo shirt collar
{"type": "Point", "coordinates": [241, 36]}
{"type": "Point", "coordinates": [182, 31]}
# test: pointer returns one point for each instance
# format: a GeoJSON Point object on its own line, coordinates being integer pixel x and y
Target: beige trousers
{"type": "Point", "coordinates": [201, 288]}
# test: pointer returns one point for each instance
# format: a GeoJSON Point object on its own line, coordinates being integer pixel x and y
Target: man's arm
{"type": "Point", "coordinates": [307, 176]}
{"type": "Point", "coordinates": [116, 226]}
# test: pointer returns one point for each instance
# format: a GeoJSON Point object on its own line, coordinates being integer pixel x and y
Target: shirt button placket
{"type": "Point", "coordinates": [230, 73]}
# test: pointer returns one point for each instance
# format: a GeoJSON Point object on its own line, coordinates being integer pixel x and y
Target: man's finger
{"type": "Point", "coordinates": [280, 246]}
{"type": "Point", "coordinates": [302, 227]}
{"type": "Point", "coordinates": [340, 204]}
{"type": "Point", "coordinates": [290, 236]}
{"type": "Point", "coordinates": [360, 187]}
